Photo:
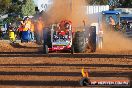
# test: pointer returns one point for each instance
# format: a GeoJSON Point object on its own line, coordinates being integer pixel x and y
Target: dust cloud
{"type": "Point", "coordinates": [73, 10]}
{"type": "Point", "coordinates": [79, 12]}
{"type": "Point", "coordinates": [116, 41]}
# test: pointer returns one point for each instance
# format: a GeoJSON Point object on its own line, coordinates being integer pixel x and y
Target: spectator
{"type": "Point", "coordinates": [20, 29]}
{"type": "Point", "coordinates": [27, 24]}
{"type": "Point", "coordinates": [39, 30]}
{"type": "Point", "coordinates": [111, 23]}
{"type": "Point", "coordinates": [32, 30]}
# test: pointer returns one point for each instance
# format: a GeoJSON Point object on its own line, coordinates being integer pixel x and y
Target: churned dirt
{"type": "Point", "coordinates": [24, 66]}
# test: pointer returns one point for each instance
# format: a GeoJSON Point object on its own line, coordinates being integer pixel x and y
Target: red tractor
{"type": "Point", "coordinates": [61, 37]}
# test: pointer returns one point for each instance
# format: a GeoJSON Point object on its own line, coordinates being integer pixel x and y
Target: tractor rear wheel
{"type": "Point", "coordinates": [79, 42]}
{"type": "Point", "coordinates": [92, 39]}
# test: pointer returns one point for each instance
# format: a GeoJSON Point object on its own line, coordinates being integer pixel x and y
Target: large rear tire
{"type": "Point", "coordinates": [92, 39]}
{"type": "Point", "coordinates": [79, 42]}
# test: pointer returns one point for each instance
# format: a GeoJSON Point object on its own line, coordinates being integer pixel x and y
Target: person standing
{"type": "Point", "coordinates": [32, 30]}
{"type": "Point", "coordinates": [20, 29]}
{"type": "Point", "coordinates": [39, 30]}
{"type": "Point", "coordinates": [112, 23]}
{"type": "Point", "coordinates": [27, 24]}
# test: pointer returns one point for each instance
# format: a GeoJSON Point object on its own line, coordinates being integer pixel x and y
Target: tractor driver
{"type": "Point", "coordinates": [67, 27]}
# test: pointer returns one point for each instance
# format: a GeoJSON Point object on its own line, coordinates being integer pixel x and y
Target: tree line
{"type": "Point", "coordinates": [117, 3]}
{"type": "Point", "coordinates": [24, 7]}
{"type": "Point", "coordinates": [27, 7]}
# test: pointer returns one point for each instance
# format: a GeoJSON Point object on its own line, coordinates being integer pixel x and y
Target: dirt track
{"type": "Point", "coordinates": [24, 66]}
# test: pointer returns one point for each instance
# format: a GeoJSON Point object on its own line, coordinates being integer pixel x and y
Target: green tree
{"type": "Point", "coordinates": [15, 7]}
{"type": "Point", "coordinates": [10, 6]}
{"type": "Point", "coordinates": [125, 3]}
{"type": "Point", "coordinates": [98, 2]}
{"type": "Point", "coordinates": [115, 3]}
{"type": "Point", "coordinates": [28, 8]}
{"type": "Point", "coordinates": [4, 6]}
{"type": "Point", "coordinates": [6, 3]}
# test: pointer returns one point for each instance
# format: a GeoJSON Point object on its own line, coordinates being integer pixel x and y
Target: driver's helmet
{"type": "Point", "coordinates": [67, 25]}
